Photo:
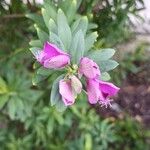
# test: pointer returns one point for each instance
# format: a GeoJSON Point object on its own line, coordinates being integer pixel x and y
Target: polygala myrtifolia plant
{"type": "Point", "coordinates": [65, 49]}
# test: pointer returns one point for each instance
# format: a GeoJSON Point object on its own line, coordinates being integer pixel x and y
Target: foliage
{"type": "Point", "coordinates": [112, 17]}
{"type": "Point", "coordinates": [131, 63]}
{"type": "Point", "coordinates": [71, 35]}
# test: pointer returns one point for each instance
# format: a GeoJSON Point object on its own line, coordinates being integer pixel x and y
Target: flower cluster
{"type": "Point", "coordinates": [98, 91]}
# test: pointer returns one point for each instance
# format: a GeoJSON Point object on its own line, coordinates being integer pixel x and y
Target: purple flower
{"type": "Point", "coordinates": [69, 88]}
{"type": "Point", "coordinates": [52, 57]}
{"type": "Point", "coordinates": [88, 68]}
{"type": "Point", "coordinates": [100, 91]}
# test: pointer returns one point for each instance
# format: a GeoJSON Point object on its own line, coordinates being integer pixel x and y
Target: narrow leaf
{"type": "Point", "coordinates": [36, 43]}
{"type": "Point", "coordinates": [44, 71]}
{"type": "Point", "coordinates": [43, 36]}
{"type": "Point", "coordinates": [105, 76]}
{"type": "Point", "coordinates": [57, 41]}
{"type": "Point", "coordinates": [77, 47]}
{"type": "Point", "coordinates": [101, 55]}
{"type": "Point", "coordinates": [90, 39]}
{"type": "Point", "coordinates": [60, 106]}
{"type": "Point", "coordinates": [80, 24]}
{"type": "Point", "coordinates": [71, 11]}
{"type": "Point", "coordinates": [55, 96]}
{"type": "Point", "coordinates": [52, 26]}
{"type": "Point", "coordinates": [107, 65]}
{"type": "Point", "coordinates": [64, 31]}
{"type": "Point", "coordinates": [50, 10]}
{"type": "Point", "coordinates": [37, 19]}
{"type": "Point", "coordinates": [3, 100]}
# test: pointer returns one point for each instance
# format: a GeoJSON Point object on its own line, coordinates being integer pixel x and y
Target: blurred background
{"type": "Point", "coordinates": [27, 122]}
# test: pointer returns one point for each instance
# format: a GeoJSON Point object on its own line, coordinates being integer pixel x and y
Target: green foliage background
{"type": "Point", "coordinates": [27, 121]}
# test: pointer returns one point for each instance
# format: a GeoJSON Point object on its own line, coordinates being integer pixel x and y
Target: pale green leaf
{"type": "Point", "coordinates": [101, 55]}
{"type": "Point", "coordinates": [105, 76]}
{"type": "Point", "coordinates": [80, 24]}
{"type": "Point", "coordinates": [37, 19]}
{"type": "Point", "coordinates": [55, 96]}
{"type": "Point", "coordinates": [64, 31]}
{"type": "Point", "coordinates": [71, 11]}
{"type": "Point", "coordinates": [57, 41]}
{"type": "Point", "coordinates": [77, 47]}
{"type": "Point", "coordinates": [50, 10]}
{"type": "Point", "coordinates": [37, 78]}
{"type": "Point", "coordinates": [36, 43]}
{"type": "Point", "coordinates": [52, 26]}
{"type": "Point", "coordinates": [43, 36]}
{"type": "Point", "coordinates": [35, 50]}
{"type": "Point", "coordinates": [107, 65]}
{"type": "Point", "coordinates": [60, 106]}
{"type": "Point", "coordinates": [89, 40]}
{"type": "Point", "coordinates": [44, 71]}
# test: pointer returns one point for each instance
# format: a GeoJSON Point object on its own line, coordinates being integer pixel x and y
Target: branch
{"type": "Point", "coordinates": [13, 16]}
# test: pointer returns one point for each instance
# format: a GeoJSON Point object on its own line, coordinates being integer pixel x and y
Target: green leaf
{"type": "Point", "coordinates": [55, 96]}
{"type": "Point", "coordinates": [60, 106]}
{"type": "Point", "coordinates": [3, 86]}
{"type": "Point", "coordinates": [12, 108]}
{"type": "Point", "coordinates": [90, 39]}
{"type": "Point", "coordinates": [80, 24]}
{"type": "Point", "coordinates": [44, 71]}
{"type": "Point", "coordinates": [77, 47]}
{"type": "Point", "coordinates": [35, 50]}
{"type": "Point", "coordinates": [37, 19]}
{"type": "Point", "coordinates": [36, 43]}
{"type": "Point", "coordinates": [101, 55]}
{"type": "Point", "coordinates": [105, 76]}
{"type": "Point", "coordinates": [43, 36]}
{"type": "Point", "coordinates": [52, 26]}
{"type": "Point", "coordinates": [57, 41]}
{"type": "Point", "coordinates": [107, 65]}
{"type": "Point", "coordinates": [36, 65]}
{"type": "Point", "coordinates": [37, 78]}
{"type": "Point", "coordinates": [64, 31]}
{"type": "Point", "coordinates": [3, 100]}
{"type": "Point", "coordinates": [71, 11]}
{"type": "Point", "coordinates": [50, 11]}
{"type": "Point", "coordinates": [50, 125]}
{"type": "Point", "coordinates": [92, 26]}
{"type": "Point", "coordinates": [88, 141]}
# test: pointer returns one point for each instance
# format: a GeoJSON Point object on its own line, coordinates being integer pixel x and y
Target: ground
{"type": "Point", "coordinates": [134, 97]}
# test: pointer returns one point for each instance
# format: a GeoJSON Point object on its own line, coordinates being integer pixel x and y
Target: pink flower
{"type": "Point", "coordinates": [52, 57]}
{"type": "Point", "coordinates": [69, 88]}
{"type": "Point", "coordinates": [88, 68]}
{"type": "Point", "coordinates": [100, 91]}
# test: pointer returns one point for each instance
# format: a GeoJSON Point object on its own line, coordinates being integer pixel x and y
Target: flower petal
{"type": "Point", "coordinates": [66, 92]}
{"type": "Point", "coordinates": [93, 91]}
{"type": "Point", "coordinates": [76, 84]}
{"type": "Point", "coordinates": [89, 68]}
{"type": "Point", "coordinates": [59, 61]}
{"type": "Point", "coordinates": [108, 88]}
{"type": "Point", "coordinates": [40, 57]}
{"type": "Point", "coordinates": [52, 50]}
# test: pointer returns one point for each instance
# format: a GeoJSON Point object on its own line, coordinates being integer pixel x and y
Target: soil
{"type": "Point", "coordinates": [133, 98]}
